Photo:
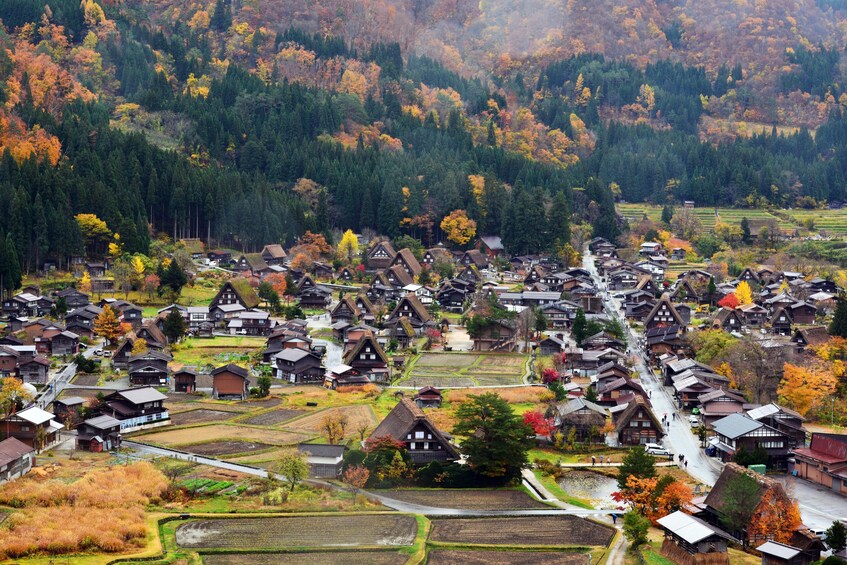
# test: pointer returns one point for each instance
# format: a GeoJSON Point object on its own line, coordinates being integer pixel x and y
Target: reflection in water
{"type": "Point", "coordinates": [590, 486]}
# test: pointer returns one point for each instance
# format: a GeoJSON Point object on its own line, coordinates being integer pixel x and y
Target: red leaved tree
{"type": "Point", "coordinates": [549, 375]}
{"type": "Point", "coordinates": [729, 301]}
{"type": "Point", "coordinates": [356, 476]}
{"type": "Point", "coordinates": [542, 426]}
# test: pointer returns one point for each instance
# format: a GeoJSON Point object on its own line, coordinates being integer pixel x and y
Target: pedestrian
{"type": "Point", "coordinates": [686, 463]}
{"type": "Point", "coordinates": [593, 460]}
{"type": "Point", "coordinates": [674, 415]}
{"type": "Point", "coordinates": [614, 518]}
{"type": "Point", "coordinates": [601, 459]}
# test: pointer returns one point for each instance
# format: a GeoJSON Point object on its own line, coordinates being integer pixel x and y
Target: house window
{"type": "Point", "coordinates": [419, 435]}
{"type": "Point", "coordinates": [633, 424]}
{"type": "Point", "coordinates": [412, 446]}
{"type": "Point", "coordinates": [24, 428]}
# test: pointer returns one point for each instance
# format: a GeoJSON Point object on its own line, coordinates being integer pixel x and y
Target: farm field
{"type": "Point", "coordinates": [467, 499]}
{"type": "Point", "coordinates": [298, 531]}
{"type": "Point", "coordinates": [481, 557]}
{"type": "Point", "coordinates": [217, 351]}
{"type": "Point", "coordinates": [357, 415]}
{"type": "Point", "coordinates": [224, 448]}
{"type": "Point", "coordinates": [707, 215]}
{"type": "Point", "coordinates": [185, 437]}
{"type": "Point", "coordinates": [535, 530]}
{"type": "Point", "coordinates": [833, 221]}
{"type": "Point", "coordinates": [465, 370]}
{"type": "Point", "coordinates": [201, 416]}
{"type": "Point", "coordinates": [273, 417]}
{"type": "Point", "coordinates": [309, 558]}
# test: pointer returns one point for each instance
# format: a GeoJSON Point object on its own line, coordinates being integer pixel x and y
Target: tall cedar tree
{"type": "Point", "coordinates": [496, 439]}
{"type": "Point", "coordinates": [106, 325]}
{"type": "Point", "coordinates": [637, 463]}
{"type": "Point", "coordinates": [173, 278]}
{"type": "Point", "coordinates": [838, 326]}
{"type": "Point", "coordinates": [174, 326]}
{"type": "Point", "coordinates": [740, 500]}
{"type": "Point", "coordinates": [580, 327]}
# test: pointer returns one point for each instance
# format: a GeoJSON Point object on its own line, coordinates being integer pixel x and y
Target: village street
{"type": "Point", "coordinates": [818, 506]}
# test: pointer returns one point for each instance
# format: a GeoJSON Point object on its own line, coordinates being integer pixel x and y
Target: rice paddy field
{"type": "Point", "coordinates": [465, 370]}
{"type": "Point", "coordinates": [708, 216]}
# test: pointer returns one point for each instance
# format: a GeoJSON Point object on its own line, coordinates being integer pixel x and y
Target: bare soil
{"type": "Point", "coordinates": [467, 499]}
{"type": "Point", "coordinates": [357, 414]}
{"type": "Point", "coordinates": [200, 416]}
{"type": "Point", "coordinates": [217, 448]}
{"type": "Point", "coordinates": [533, 530]}
{"type": "Point", "coordinates": [311, 558]}
{"type": "Point", "coordinates": [83, 379]}
{"type": "Point", "coordinates": [273, 418]}
{"type": "Point", "coordinates": [298, 532]}
{"type": "Point", "coordinates": [471, 557]}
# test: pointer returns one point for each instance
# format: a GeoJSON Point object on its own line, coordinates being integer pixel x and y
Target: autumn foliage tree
{"type": "Point", "coordinates": [106, 325]}
{"type": "Point", "coordinates": [459, 228]}
{"type": "Point", "coordinates": [356, 476]}
{"type": "Point", "coordinates": [277, 282]}
{"type": "Point", "coordinates": [333, 426]}
{"type": "Point", "coordinates": [348, 247]}
{"type": "Point", "coordinates": [801, 388]}
{"type": "Point", "coordinates": [542, 426]}
{"type": "Point", "coordinates": [743, 293]}
{"type": "Point", "coordinates": [776, 518]}
{"type": "Point", "coordinates": [729, 301]}
{"type": "Point", "coordinates": [139, 346]}
{"type": "Point", "coordinates": [673, 498]}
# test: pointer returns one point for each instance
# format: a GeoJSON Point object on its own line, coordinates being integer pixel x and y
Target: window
{"type": "Point", "coordinates": [412, 446]}
{"type": "Point", "coordinates": [633, 424]}
{"type": "Point", "coordinates": [419, 435]}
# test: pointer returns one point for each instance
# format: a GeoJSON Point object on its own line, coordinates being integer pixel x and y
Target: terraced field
{"type": "Point", "coordinates": [708, 216]}
{"type": "Point", "coordinates": [833, 221]}
{"type": "Point", "coordinates": [535, 530]}
{"type": "Point", "coordinates": [465, 370]}
{"type": "Point", "coordinates": [311, 558]}
{"type": "Point", "coordinates": [467, 499]}
{"type": "Point", "coordinates": [481, 557]}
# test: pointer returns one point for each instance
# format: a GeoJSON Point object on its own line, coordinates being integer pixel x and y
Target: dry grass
{"type": "Point", "coordinates": [356, 415]}
{"type": "Point", "coordinates": [516, 395]}
{"type": "Point", "coordinates": [103, 511]}
{"type": "Point", "coordinates": [217, 432]}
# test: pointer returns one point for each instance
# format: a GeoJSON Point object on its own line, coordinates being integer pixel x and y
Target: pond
{"type": "Point", "coordinates": [591, 486]}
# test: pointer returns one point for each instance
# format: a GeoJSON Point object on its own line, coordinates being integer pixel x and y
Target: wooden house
{"type": "Point", "coordinates": [346, 311]}
{"type": "Point", "coordinates": [407, 260]}
{"type": "Point", "coordinates": [34, 371]}
{"type": "Point", "coordinates": [750, 276]}
{"type": "Point", "coordinates": [718, 404]}
{"type": "Point", "coordinates": [824, 462]}
{"type": "Point", "coordinates": [68, 409]}
{"type": "Point", "coordinates": [273, 254]}
{"type": "Point", "coordinates": [251, 322]}
{"type": "Point", "coordinates": [637, 425]}
{"type": "Point", "coordinates": [802, 313]}
{"type": "Point", "coordinates": [343, 375]}
{"type": "Point", "coordinates": [299, 366]}
{"type": "Point", "coordinates": [397, 277]}
{"type": "Point", "coordinates": [314, 298]}
{"type": "Point", "coordinates": [436, 255]}
{"type": "Point", "coordinates": [474, 258]}
{"type": "Point", "coordinates": [136, 408]}
{"type": "Point", "coordinates": [346, 274]}
{"type": "Point", "coordinates": [367, 312]}
{"type": "Point", "coordinates": [684, 291]}
{"type": "Point", "coordinates": [73, 298]}
{"type": "Point", "coordinates": [783, 419]}
{"type": "Point", "coordinates": [781, 322]}
{"type": "Point", "coordinates": [380, 255]}
{"type": "Point", "coordinates": [236, 291]}
{"type": "Point", "coordinates": [775, 553]}
{"type": "Point", "coordinates": [491, 245]}
{"type": "Point", "coordinates": [406, 423]}
{"type": "Point", "coordinates": [552, 344]}
{"type": "Point", "coordinates": [33, 426]}
{"type": "Point", "coordinates": [587, 418]}
{"type": "Point", "coordinates": [81, 320]}
{"type": "Point", "coordinates": [368, 359]}
{"type": "Point", "coordinates": [739, 431]}
{"type": "Point", "coordinates": [728, 320]}
{"type": "Point", "coordinates": [810, 337]}
{"type": "Point", "coordinates": [621, 389]}
{"type": "Point", "coordinates": [16, 459]}
{"type": "Point", "coordinates": [185, 380]}
{"type": "Point", "coordinates": [230, 382]}
{"type": "Point", "coordinates": [501, 335]}
{"type": "Point", "coordinates": [664, 314]}
{"type": "Point", "coordinates": [64, 343]}
{"type": "Point", "coordinates": [410, 307]}
{"type": "Point", "coordinates": [102, 433]}
{"type": "Point", "coordinates": [754, 314]}
{"type": "Point", "coordinates": [149, 368]}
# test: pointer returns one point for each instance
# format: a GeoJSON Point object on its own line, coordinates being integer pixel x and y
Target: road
{"type": "Point", "coordinates": [61, 379]}
{"type": "Point", "coordinates": [818, 506]}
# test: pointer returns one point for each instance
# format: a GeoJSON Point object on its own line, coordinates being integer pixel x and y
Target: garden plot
{"type": "Point", "coordinates": [310, 558]}
{"type": "Point", "coordinates": [273, 417]}
{"type": "Point", "coordinates": [467, 499]}
{"type": "Point", "coordinates": [472, 557]}
{"type": "Point", "coordinates": [200, 416]}
{"type": "Point", "coordinates": [534, 530]}
{"type": "Point", "coordinates": [298, 532]}
{"type": "Point", "coordinates": [465, 370]}
{"type": "Point", "coordinates": [220, 432]}
{"type": "Point", "coordinates": [224, 448]}
{"type": "Point", "coordinates": [357, 415]}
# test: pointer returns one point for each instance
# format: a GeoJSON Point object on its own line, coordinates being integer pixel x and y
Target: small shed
{"type": "Point", "coordinates": [686, 536]}
{"type": "Point", "coordinates": [324, 460]}
{"type": "Point", "coordinates": [775, 553]}
{"type": "Point", "coordinates": [428, 397]}
{"type": "Point", "coordinates": [185, 380]}
{"type": "Point", "coordinates": [230, 382]}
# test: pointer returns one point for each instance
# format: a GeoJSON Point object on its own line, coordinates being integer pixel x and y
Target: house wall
{"type": "Point", "coordinates": [17, 468]}
{"type": "Point", "coordinates": [226, 384]}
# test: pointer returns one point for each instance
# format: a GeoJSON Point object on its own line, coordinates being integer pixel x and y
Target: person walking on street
{"type": "Point", "coordinates": [593, 460]}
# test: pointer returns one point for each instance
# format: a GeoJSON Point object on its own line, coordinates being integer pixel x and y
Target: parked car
{"type": "Point", "coordinates": [694, 421]}
{"type": "Point", "coordinates": [661, 452]}
{"type": "Point", "coordinates": [649, 446]}
{"type": "Point", "coordinates": [107, 353]}
{"type": "Point", "coordinates": [98, 352]}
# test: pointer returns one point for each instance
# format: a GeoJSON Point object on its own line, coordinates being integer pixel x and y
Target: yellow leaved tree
{"type": "Point", "coordinates": [459, 228]}
{"type": "Point", "coordinates": [743, 293]}
{"type": "Point", "coordinates": [348, 247]}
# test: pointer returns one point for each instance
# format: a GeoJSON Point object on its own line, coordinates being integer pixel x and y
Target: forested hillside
{"type": "Point", "coordinates": [252, 121]}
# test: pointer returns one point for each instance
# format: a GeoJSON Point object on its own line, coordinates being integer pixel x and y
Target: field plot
{"type": "Point", "coordinates": [535, 530]}
{"type": "Point", "coordinates": [467, 499]}
{"type": "Point", "coordinates": [310, 558]}
{"type": "Point", "coordinates": [708, 216]}
{"type": "Point", "coordinates": [471, 557]}
{"type": "Point", "coordinates": [357, 415]}
{"type": "Point", "coordinates": [201, 416]}
{"type": "Point", "coordinates": [83, 379]}
{"type": "Point", "coordinates": [298, 531]}
{"type": "Point", "coordinates": [833, 221]}
{"type": "Point", "coordinates": [219, 432]}
{"type": "Point", "coordinates": [273, 417]}
{"type": "Point", "coordinates": [222, 448]}
{"type": "Point", "coordinates": [228, 349]}
{"type": "Point", "coordinates": [465, 370]}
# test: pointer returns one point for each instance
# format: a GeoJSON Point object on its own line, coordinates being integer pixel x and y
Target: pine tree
{"type": "Point", "coordinates": [222, 16]}
{"type": "Point", "coordinates": [745, 230]}
{"type": "Point", "coordinates": [174, 326]}
{"type": "Point", "coordinates": [580, 327]}
{"type": "Point", "coordinates": [838, 326]}
{"type": "Point", "coordinates": [667, 215]}
{"type": "Point", "coordinates": [492, 135]}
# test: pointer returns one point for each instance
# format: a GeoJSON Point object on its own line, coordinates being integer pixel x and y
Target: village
{"type": "Point", "coordinates": [375, 350]}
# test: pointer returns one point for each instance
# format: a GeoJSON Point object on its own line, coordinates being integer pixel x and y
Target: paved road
{"type": "Point", "coordinates": [61, 379]}
{"type": "Point", "coordinates": [818, 506]}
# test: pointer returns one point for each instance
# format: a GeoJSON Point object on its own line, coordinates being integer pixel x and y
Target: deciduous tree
{"type": "Point", "coordinates": [356, 476]}
{"type": "Point", "coordinates": [459, 228]}
{"type": "Point", "coordinates": [13, 394]}
{"type": "Point", "coordinates": [333, 425]}
{"type": "Point", "coordinates": [139, 346]}
{"type": "Point", "coordinates": [106, 325]}
{"type": "Point", "coordinates": [293, 467]}
{"type": "Point", "coordinates": [743, 293]}
{"type": "Point", "coordinates": [729, 301]}
{"type": "Point", "coordinates": [542, 426]}
{"type": "Point", "coordinates": [802, 388]}
{"type": "Point", "coordinates": [776, 517]}
{"type": "Point", "coordinates": [348, 247]}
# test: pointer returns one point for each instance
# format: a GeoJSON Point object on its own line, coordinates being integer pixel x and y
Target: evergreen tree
{"type": "Point", "coordinates": [173, 278]}
{"type": "Point", "coordinates": [838, 326]}
{"type": "Point", "coordinates": [836, 536]}
{"type": "Point", "coordinates": [10, 268]}
{"type": "Point", "coordinates": [711, 290]}
{"type": "Point", "coordinates": [745, 230]}
{"type": "Point", "coordinates": [222, 16]}
{"type": "Point", "coordinates": [667, 215]}
{"type": "Point", "coordinates": [492, 135]}
{"type": "Point", "coordinates": [497, 440]}
{"type": "Point", "coordinates": [174, 326]}
{"type": "Point", "coordinates": [558, 221]}
{"type": "Point", "coordinates": [580, 327]}
{"type": "Point", "coordinates": [637, 463]}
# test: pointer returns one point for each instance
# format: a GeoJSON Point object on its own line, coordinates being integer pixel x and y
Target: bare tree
{"type": "Point", "coordinates": [756, 367]}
